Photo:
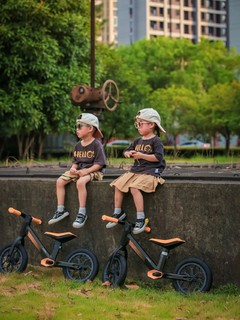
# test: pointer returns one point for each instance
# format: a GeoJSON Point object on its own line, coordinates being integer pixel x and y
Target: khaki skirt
{"type": "Point", "coordinates": [144, 182]}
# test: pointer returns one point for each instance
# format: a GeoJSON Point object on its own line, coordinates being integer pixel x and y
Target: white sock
{"type": "Point", "coordinates": [117, 210]}
{"type": "Point", "coordinates": [140, 215]}
{"type": "Point", "coordinates": [82, 211]}
{"type": "Point", "coordinates": [60, 208]}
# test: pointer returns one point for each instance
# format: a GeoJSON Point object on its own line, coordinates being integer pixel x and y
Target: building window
{"type": "Point", "coordinates": [186, 29]}
{"type": "Point", "coordinates": [153, 11]}
{"type": "Point", "coordinates": [130, 12]}
{"type": "Point", "coordinates": [131, 26]}
{"type": "Point", "coordinates": [223, 32]}
{"type": "Point", "coordinates": [153, 25]}
{"type": "Point", "coordinates": [161, 25]}
{"type": "Point", "coordinates": [161, 11]}
{"type": "Point", "coordinates": [186, 14]}
{"type": "Point", "coordinates": [211, 31]}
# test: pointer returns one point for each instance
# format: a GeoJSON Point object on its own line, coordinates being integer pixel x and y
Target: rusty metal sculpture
{"type": "Point", "coordinates": [92, 99]}
{"type": "Point", "coordinates": [96, 99]}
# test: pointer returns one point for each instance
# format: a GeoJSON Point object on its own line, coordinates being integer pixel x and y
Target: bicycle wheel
{"type": "Point", "coordinates": [16, 262]}
{"type": "Point", "coordinates": [85, 266]}
{"type": "Point", "coordinates": [198, 276]}
{"type": "Point", "coordinates": [115, 270]}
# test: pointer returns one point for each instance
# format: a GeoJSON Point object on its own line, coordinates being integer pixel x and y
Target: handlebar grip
{"type": "Point", "coordinates": [36, 220]}
{"type": "Point", "coordinates": [110, 219]}
{"type": "Point", "coordinates": [14, 211]}
{"type": "Point", "coordinates": [19, 213]}
{"type": "Point", "coordinates": [147, 229]}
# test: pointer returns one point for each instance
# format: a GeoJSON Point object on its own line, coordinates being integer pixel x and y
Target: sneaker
{"type": "Point", "coordinates": [119, 216]}
{"type": "Point", "coordinates": [139, 226]}
{"type": "Point", "coordinates": [58, 215]}
{"type": "Point", "coordinates": [80, 220]}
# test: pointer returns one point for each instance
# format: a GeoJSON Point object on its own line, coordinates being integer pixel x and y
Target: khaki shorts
{"type": "Point", "coordinates": [144, 182]}
{"type": "Point", "coordinates": [97, 175]}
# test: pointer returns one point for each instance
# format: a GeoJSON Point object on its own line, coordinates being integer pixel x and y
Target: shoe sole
{"type": "Point", "coordinates": [52, 221]}
{"type": "Point", "coordinates": [79, 225]}
{"type": "Point", "coordinates": [110, 225]}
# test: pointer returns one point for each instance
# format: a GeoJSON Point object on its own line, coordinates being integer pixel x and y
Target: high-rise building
{"type": "Point", "coordinates": [233, 38]}
{"type": "Point", "coordinates": [127, 21]}
{"type": "Point", "coordinates": [109, 18]}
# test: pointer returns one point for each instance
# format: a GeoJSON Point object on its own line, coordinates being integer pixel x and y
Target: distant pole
{"type": "Point", "coordinates": [92, 43]}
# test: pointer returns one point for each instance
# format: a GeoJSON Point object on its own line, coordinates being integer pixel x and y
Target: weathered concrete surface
{"type": "Point", "coordinates": [204, 213]}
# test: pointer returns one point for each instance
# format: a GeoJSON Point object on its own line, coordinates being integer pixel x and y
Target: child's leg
{"type": "Point", "coordinates": [82, 198]}
{"type": "Point", "coordinates": [118, 212]}
{"type": "Point", "coordinates": [61, 212]}
{"type": "Point", "coordinates": [60, 190]}
{"type": "Point", "coordinates": [82, 190]}
{"type": "Point", "coordinates": [118, 198]}
{"type": "Point", "coordinates": [139, 204]}
{"type": "Point", "coordinates": [138, 199]}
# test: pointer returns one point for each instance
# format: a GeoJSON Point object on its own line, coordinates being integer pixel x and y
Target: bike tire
{"type": "Point", "coordinates": [200, 276]}
{"type": "Point", "coordinates": [115, 270]}
{"type": "Point", "coordinates": [87, 266]}
{"type": "Point", "coordinates": [17, 262]}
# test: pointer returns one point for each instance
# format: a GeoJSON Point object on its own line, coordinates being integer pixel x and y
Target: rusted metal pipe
{"type": "Point", "coordinates": [92, 43]}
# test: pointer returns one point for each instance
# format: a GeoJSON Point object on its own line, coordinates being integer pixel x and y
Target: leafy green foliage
{"type": "Point", "coordinates": [44, 49]}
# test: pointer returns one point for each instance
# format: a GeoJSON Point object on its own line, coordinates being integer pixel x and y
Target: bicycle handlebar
{"type": "Point", "coordinates": [19, 213]}
{"type": "Point", "coordinates": [110, 219]}
{"type": "Point", "coordinates": [115, 220]}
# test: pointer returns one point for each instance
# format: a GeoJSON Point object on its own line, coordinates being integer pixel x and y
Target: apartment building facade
{"type": "Point", "coordinates": [127, 21]}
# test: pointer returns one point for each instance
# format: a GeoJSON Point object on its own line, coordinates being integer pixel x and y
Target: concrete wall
{"type": "Point", "coordinates": [205, 214]}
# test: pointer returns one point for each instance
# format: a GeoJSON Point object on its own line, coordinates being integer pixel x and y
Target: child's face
{"type": "Point", "coordinates": [84, 130]}
{"type": "Point", "coordinates": [144, 127]}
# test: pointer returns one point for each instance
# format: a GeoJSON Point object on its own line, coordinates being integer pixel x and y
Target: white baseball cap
{"type": "Point", "coordinates": [151, 115]}
{"type": "Point", "coordinates": [91, 120]}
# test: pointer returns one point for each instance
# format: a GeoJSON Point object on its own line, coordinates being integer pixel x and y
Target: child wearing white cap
{"type": "Point", "coordinates": [145, 174]}
{"type": "Point", "coordinates": [87, 164]}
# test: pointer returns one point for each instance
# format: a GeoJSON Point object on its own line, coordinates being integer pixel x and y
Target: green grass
{"type": "Point", "coordinates": [41, 293]}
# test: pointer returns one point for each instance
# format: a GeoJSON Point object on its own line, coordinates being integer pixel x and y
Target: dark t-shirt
{"type": "Point", "coordinates": [149, 146]}
{"type": "Point", "coordinates": [87, 156]}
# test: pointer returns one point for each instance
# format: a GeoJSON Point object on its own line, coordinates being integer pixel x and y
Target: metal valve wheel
{"type": "Point", "coordinates": [110, 94]}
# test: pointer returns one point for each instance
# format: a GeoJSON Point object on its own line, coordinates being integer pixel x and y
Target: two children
{"type": "Point", "coordinates": [89, 161]}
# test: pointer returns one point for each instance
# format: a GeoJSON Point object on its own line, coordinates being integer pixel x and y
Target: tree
{"type": "Point", "coordinates": [222, 110]}
{"type": "Point", "coordinates": [44, 51]}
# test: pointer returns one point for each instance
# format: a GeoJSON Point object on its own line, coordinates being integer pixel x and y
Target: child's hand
{"type": "Point", "coordinates": [136, 155]}
{"type": "Point", "coordinates": [73, 170]}
{"type": "Point", "coordinates": [82, 172]}
{"type": "Point", "coordinates": [129, 154]}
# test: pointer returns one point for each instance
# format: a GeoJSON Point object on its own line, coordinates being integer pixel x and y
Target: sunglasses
{"type": "Point", "coordinates": [79, 126]}
{"type": "Point", "coordinates": [140, 124]}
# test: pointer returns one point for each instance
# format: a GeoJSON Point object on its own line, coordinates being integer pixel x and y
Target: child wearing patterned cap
{"type": "Point", "coordinates": [87, 165]}
{"type": "Point", "coordinates": [145, 174]}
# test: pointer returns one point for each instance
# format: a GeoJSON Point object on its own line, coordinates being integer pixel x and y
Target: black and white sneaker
{"type": "Point", "coordinates": [58, 215]}
{"type": "Point", "coordinates": [120, 216]}
{"type": "Point", "coordinates": [139, 226]}
{"type": "Point", "coordinates": [80, 220]}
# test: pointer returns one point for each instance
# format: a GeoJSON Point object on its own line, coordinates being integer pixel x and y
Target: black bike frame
{"type": "Point", "coordinates": [128, 239]}
{"type": "Point", "coordinates": [26, 230]}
